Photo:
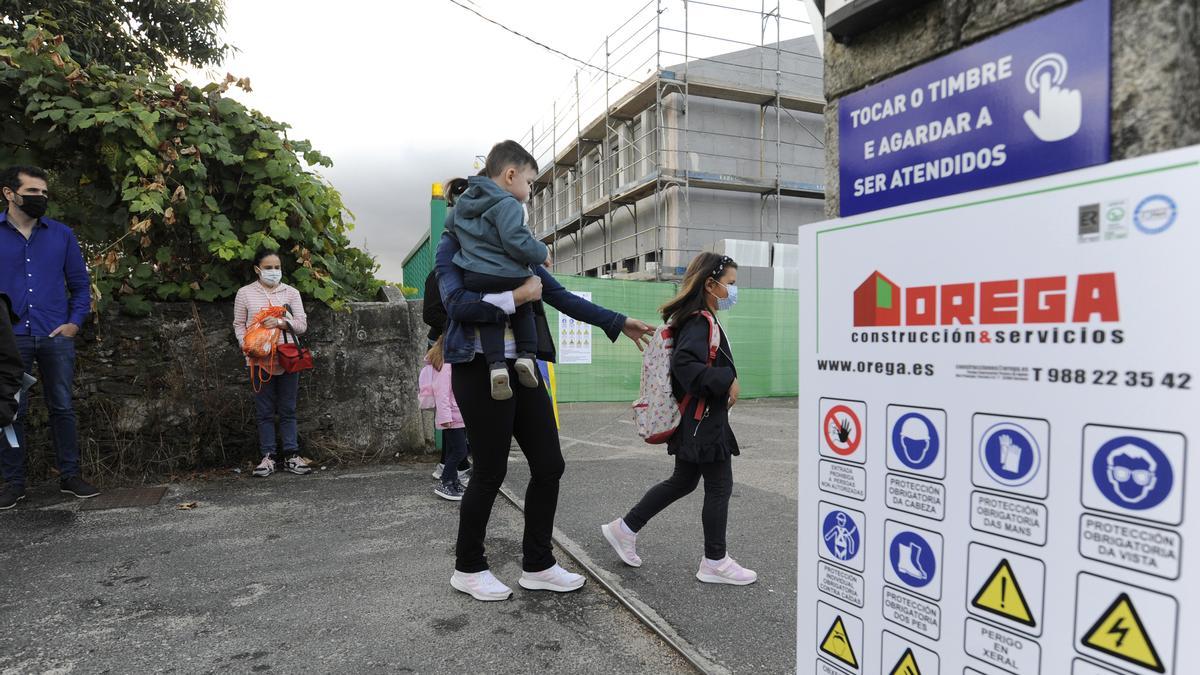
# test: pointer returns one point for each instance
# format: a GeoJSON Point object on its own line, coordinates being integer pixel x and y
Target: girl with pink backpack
{"type": "Point", "coordinates": [703, 385]}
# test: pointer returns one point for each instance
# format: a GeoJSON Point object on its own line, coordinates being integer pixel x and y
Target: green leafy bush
{"type": "Point", "coordinates": [151, 34]}
{"type": "Point", "coordinates": [172, 187]}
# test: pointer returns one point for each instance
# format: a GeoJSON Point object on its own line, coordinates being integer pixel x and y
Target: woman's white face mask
{"type": "Point", "coordinates": [270, 277]}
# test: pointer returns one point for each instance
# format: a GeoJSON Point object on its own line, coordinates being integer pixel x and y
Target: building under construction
{"type": "Point", "coordinates": [698, 122]}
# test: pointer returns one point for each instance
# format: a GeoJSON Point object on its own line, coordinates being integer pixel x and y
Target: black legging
{"type": "Point", "coordinates": [718, 486]}
{"type": "Point", "coordinates": [491, 425]}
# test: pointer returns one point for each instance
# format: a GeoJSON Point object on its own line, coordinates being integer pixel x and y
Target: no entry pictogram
{"type": "Point", "coordinates": [842, 430]}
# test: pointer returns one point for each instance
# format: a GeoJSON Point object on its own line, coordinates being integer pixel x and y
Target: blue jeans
{"type": "Point", "coordinates": [55, 359]}
{"type": "Point", "coordinates": [277, 397]}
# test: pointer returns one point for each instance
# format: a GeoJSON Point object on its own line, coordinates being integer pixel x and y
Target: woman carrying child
{"type": "Point", "coordinates": [527, 414]}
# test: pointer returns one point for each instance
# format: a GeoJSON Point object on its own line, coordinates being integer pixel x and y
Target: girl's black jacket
{"type": "Point", "coordinates": [709, 439]}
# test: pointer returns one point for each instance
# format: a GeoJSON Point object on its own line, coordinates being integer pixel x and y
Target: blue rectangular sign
{"type": "Point", "coordinates": [1029, 102]}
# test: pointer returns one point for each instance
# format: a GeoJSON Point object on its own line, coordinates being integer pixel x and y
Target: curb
{"type": "Point", "coordinates": [640, 610]}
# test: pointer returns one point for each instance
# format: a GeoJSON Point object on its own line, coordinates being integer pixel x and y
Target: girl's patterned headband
{"type": "Point", "coordinates": [720, 268]}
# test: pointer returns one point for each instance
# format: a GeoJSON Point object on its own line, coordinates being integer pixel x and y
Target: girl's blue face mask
{"type": "Point", "coordinates": [730, 299]}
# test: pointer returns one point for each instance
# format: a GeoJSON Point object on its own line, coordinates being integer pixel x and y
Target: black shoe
{"type": "Point", "coordinates": [74, 485]}
{"type": "Point", "coordinates": [450, 491]}
{"type": "Point", "coordinates": [10, 495]}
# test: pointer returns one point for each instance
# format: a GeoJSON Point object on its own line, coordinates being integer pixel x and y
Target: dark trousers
{"type": "Point", "coordinates": [55, 359]}
{"type": "Point", "coordinates": [463, 464]}
{"type": "Point", "coordinates": [454, 453]}
{"type": "Point", "coordinates": [718, 486]}
{"type": "Point", "coordinates": [491, 335]}
{"type": "Point", "coordinates": [491, 425]}
{"type": "Point", "coordinates": [278, 397]}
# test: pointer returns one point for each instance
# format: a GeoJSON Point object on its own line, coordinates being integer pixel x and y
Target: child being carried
{"type": "Point", "coordinates": [497, 254]}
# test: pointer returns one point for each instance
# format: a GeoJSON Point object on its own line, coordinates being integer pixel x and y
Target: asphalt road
{"type": "Point", "coordinates": [747, 629]}
{"type": "Point", "coordinates": [341, 571]}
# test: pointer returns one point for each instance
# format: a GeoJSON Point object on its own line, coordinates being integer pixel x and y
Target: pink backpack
{"type": "Point", "coordinates": [656, 413]}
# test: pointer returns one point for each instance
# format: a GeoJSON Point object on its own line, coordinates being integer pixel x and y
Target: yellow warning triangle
{"type": "Point", "coordinates": [837, 644]}
{"type": "Point", "coordinates": [1119, 632]}
{"type": "Point", "coordinates": [907, 665]}
{"type": "Point", "coordinates": [1001, 595]}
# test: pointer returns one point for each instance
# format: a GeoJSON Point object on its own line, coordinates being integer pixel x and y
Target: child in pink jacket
{"type": "Point", "coordinates": [435, 388]}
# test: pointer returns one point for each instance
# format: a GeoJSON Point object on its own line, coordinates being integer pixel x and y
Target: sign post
{"type": "Point", "coordinates": [998, 403]}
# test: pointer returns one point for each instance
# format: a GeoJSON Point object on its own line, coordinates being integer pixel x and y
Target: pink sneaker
{"type": "Point", "coordinates": [480, 585]}
{"type": "Point", "coordinates": [726, 571]}
{"type": "Point", "coordinates": [554, 579]}
{"type": "Point", "coordinates": [622, 541]}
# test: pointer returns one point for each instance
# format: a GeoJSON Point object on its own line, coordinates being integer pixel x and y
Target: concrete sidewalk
{"type": "Point", "coordinates": [747, 629]}
{"type": "Point", "coordinates": [341, 571]}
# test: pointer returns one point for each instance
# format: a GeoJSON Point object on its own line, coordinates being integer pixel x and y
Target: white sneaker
{"type": "Point", "coordinates": [501, 391]}
{"type": "Point", "coordinates": [623, 543]}
{"type": "Point", "coordinates": [296, 464]}
{"type": "Point", "coordinates": [480, 585]}
{"type": "Point", "coordinates": [437, 473]}
{"type": "Point", "coordinates": [526, 372]}
{"type": "Point", "coordinates": [725, 571]}
{"type": "Point", "coordinates": [265, 468]}
{"type": "Point", "coordinates": [554, 579]}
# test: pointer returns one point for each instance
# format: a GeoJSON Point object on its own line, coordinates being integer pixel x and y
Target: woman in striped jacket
{"type": "Point", "coordinates": [278, 394]}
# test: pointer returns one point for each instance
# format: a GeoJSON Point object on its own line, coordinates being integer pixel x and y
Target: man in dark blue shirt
{"type": "Point", "coordinates": [43, 273]}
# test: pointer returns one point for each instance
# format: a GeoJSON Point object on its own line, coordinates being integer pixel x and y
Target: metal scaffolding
{"type": "Point", "coordinates": [621, 134]}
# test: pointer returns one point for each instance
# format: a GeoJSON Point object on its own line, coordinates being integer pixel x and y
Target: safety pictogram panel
{"type": "Point", "coordinates": [1124, 625]}
{"type": "Point", "coordinates": [1008, 651]}
{"type": "Point", "coordinates": [913, 559]}
{"type": "Point", "coordinates": [1137, 473]}
{"type": "Point", "coordinates": [1006, 587]}
{"type": "Point", "coordinates": [841, 535]}
{"type": "Point", "coordinates": [917, 440]}
{"type": "Point", "coordinates": [899, 656]}
{"type": "Point", "coordinates": [839, 637]}
{"type": "Point", "coordinates": [843, 430]}
{"type": "Point", "coordinates": [1011, 454]}
{"type": "Point", "coordinates": [1032, 401]}
{"type": "Point", "coordinates": [1134, 546]}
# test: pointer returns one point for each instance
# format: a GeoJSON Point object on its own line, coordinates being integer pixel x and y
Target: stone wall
{"type": "Point", "coordinates": [170, 392]}
{"type": "Point", "coordinates": [1155, 103]}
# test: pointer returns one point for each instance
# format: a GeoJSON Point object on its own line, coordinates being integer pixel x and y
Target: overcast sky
{"type": "Point", "coordinates": [401, 95]}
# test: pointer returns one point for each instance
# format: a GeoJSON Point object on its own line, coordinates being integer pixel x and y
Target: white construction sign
{"type": "Point", "coordinates": [999, 393]}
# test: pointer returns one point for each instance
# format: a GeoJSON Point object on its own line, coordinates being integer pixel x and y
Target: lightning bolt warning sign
{"type": "Point", "coordinates": [1119, 632]}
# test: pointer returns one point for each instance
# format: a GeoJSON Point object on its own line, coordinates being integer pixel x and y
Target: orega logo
{"type": "Point", "coordinates": [879, 301]}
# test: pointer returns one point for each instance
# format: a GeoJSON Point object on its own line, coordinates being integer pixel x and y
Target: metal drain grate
{"type": "Point", "coordinates": [124, 498]}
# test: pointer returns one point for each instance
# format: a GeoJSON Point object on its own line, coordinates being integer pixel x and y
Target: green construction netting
{"type": "Point", "coordinates": [417, 267]}
{"type": "Point", "coordinates": [763, 329]}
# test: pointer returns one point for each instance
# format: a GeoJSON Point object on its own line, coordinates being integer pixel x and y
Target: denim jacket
{"type": "Point", "coordinates": [465, 307]}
